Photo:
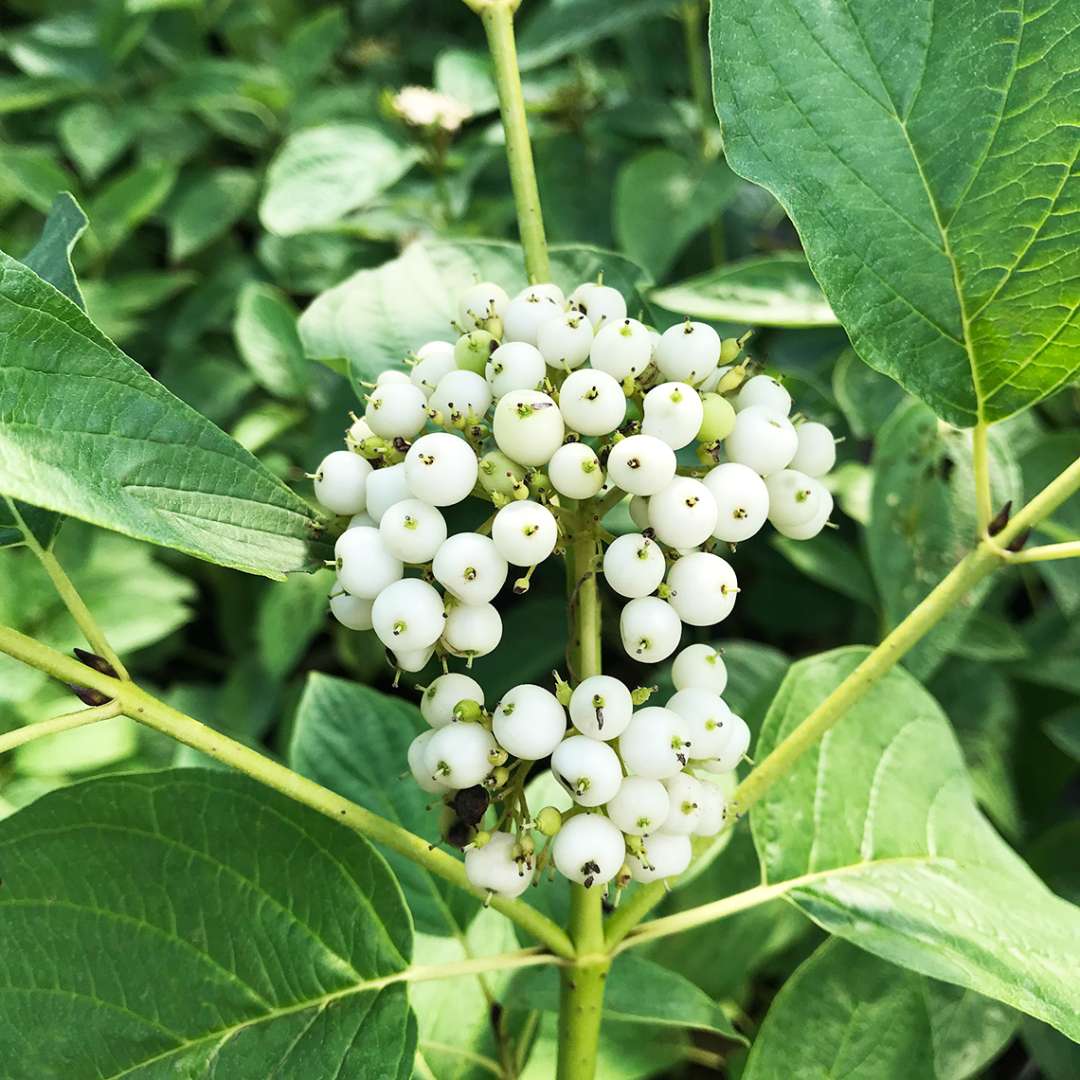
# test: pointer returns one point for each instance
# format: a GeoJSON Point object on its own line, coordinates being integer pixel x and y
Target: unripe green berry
{"type": "Point", "coordinates": [549, 821]}
{"type": "Point", "coordinates": [719, 418]}
{"type": "Point", "coordinates": [467, 711]}
{"type": "Point", "coordinates": [499, 475]}
{"type": "Point", "coordinates": [472, 350]}
{"type": "Point", "coordinates": [729, 349]}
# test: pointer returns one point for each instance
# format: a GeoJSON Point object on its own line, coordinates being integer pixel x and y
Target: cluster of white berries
{"type": "Point", "coordinates": [552, 409]}
{"type": "Point", "coordinates": [642, 778]}
{"type": "Point", "coordinates": [543, 399]}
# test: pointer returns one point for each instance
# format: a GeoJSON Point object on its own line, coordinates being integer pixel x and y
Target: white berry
{"type": "Point", "coordinates": [622, 349]}
{"type": "Point", "coordinates": [707, 717]}
{"type": "Point", "coordinates": [524, 533]}
{"type": "Point", "coordinates": [529, 722]}
{"type": "Point", "coordinates": [673, 412]}
{"type": "Point", "coordinates": [528, 427]}
{"type": "Point", "coordinates": [459, 755]}
{"type": "Point", "coordinates": [461, 393]}
{"type": "Point", "coordinates": [641, 464]}
{"type": "Point", "coordinates": [601, 707]}
{"type": "Point", "coordinates": [794, 498]}
{"type": "Point", "coordinates": [686, 802]}
{"type": "Point", "coordinates": [443, 694]}
{"type": "Point", "coordinates": [413, 531]}
{"type": "Point", "coordinates": [396, 409]}
{"type": "Point", "coordinates": [408, 615]}
{"type": "Point", "coordinates": [640, 807]}
{"type": "Point", "coordinates": [712, 809]}
{"type": "Point", "coordinates": [472, 630]}
{"type": "Point", "coordinates": [365, 564]}
{"type": "Point", "coordinates": [493, 867]}
{"type": "Point", "coordinates": [765, 391]}
{"type": "Point", "coordinates": [479, 302]}
{"type": "Point", "coordinates": [525, 315]}
{"type": "Point", "coordinates": [441, 469]}
{"type": "Point", "coordinates": [816, 454]}
{"type": "Point", "coordinates": [742, 501]}
{"type": "Point", "coordinates": [470, 567]}
{"type": "Point", "coordinates": [565, 341]}
{"type": "Point", "coordinates": [574, 471]}
{"type": "Point", "coordinates": [808, 530]}
{"type": "Point", "coordinates": [761, 440]}
{"type": "Point", "coordinates": [589, 850]}
{"type": "Point", "coordinates": [588, 768]}
{"type": "Point", "coordinates": [634, 565]}
{"type": "Point", "coordinates": [683, 514]}
{"type": "Point", "coordinates": [736, 743]}
{"type": "Point", "coordinates": [688, 352]}
{"type": "Point", "coordinates": [351, 611]}
{"type": "Point", "coordinates": [699, 666]}
{"type": "Point", "coordinates": [386, 487]}
{"type": "Point", "coordinates": [515, 366]}
{"type": "Point", "coordinates": [341, 482]}
{"type": "Point", "coordinates": [418, 767]}
{"type": "Point", "coordinates": [703, 588]}
{"type": "Point", "coordinates": [656, 743]}
{"type": "Point", "coordinates": [666, 855]}
{"type": "Point", "coordinates": [592, 402]}
{"type": "Point", "coordinates": [650, 629]}
{"type": "Point", "coordinates": [601, 303]}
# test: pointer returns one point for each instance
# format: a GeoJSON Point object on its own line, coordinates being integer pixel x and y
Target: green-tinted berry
{"type": "Point", "coordinates": [719, 418]}
{"type": "Point", "coordinates": [499, 475]}
{"type": "Point", "coordinates": [729, 349]}
{"type": "Point", "coordinates": [549, 821]}
{"type": "Point", "coordinates": [473, 349]}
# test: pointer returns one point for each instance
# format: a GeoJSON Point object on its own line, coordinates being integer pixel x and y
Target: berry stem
{"type": "Point", "coordinates": [498, 20]}
{"type": "Point", "coordinates": [582, 994]}
{"type": "Point", "coordinates": [1047, 553]}
{"type": "Point", "coordinates": [143, 707]}
{"type": "Point", "coordinates": [11, 739]}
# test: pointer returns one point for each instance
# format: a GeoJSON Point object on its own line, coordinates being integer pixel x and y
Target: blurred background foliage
{"type": "Point", "coordinates": [236, 159]}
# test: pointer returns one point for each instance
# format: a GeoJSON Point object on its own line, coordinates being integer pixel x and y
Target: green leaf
{"type": "Point", "coordinates": [126, 202]}
{"type": "Point", "coordinates": [265, 331]}
{"type": "Point", "coordinates": [662, 200]}
{"type": "Point", "coordinates": [310, 48]}
{"type": "Point", "coordinates": [851, 1014]}
{"type": "Point", "coordinates": [926, 158]}
{"type": "Point", "coordinates": [83, 750]}
{"type": "Point", "coordinates": [866, 397]}
{"type": "Point", "coordinates": [874, 833]}
{"type": "Point", "coordinates": [24, 93]}
{"type": "Point", "coordinates": [192, 923]}
{"type": "Point", "coordinates": [832, 562]}
{"type": "Point", "coordinates": [637, 990]}
{"type": "Point", "coordinates": [324, 173]}
{"type": "Point", "coordinates": [569, 26]}
{"type": "Point", "coordinates": [290, 615]}
{"type": "Point", "coordinates": [1063, 730]}
{"type": "Point", "coordinates": [207, 208]}
{"type": "Point", "coordinates": [355, 741]}
{"type": "Point", "coordinates": [118, 304]}
{"type": "Point", "coordinates": [50, 257]}
{"type": "Point", "coordinates": [95, 136]}
{"type": "Point", "coordinates": [34, 175]}
{"type": "Point", "coordinates": [923, 519]}
{"type": "Point", "coordinates": [766, 290]}
{"type": "Point", "coordinates": [466, 76]}
{"type": "Point", "coordinates": [85, 431]}
{"type": "Point", "coordinates": [375, 318]}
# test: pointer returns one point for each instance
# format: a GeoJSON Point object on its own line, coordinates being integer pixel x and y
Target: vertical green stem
{"type": "Point", "coordinates": [980, 454]}
{"type": "Point", "coordinates": [498, 19]}
{"type": "Point", "coordinates": [583, 981]}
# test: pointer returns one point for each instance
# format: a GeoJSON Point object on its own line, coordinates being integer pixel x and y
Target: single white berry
{"type": "Point", "coordinates": [703, 588]}
{"type": "Point", "coordinates": [574, 471]}
{"type": "Point", "coordinates": [470, 567]}
{"type": "Point", "coordinates": [592, 402]}
{"type": "Point", "coordinates": [441, 469]}
{"type": "Point", "coordinates": [623, 349]}
{"type": "Point", "coordinates": [525, 315]}
{"type": "Point", "coordinates": [472, 630]}
{"type": "Point", "coordinates": [529, 722]}
{"type": "Point", "coordinates": [634, 565]}
{"type": "Point", "coordinates": [650, 629]}
{"type": "Point", "coordinates": [433, 365]}
{"type": "Point", "coordinates": [816, 454]}
{"type": "Point", "coordinates": [493, 867]}
{"type": "Point", "coordinates": [391, 375]}
{"type": "Point", "coordinates": [699, 666]}
{"type": "Point", "coordinates": [712, 810]}
{"type": "Point", "coordinates": [641, 464]}
{"type": "Point", "coordinates": [358, 431]}
{"type": "Point", "coordinates": [413, 531]}
{"type": "Point", "coordinates": [707, 717]}
{"type": "Point", "coordinates": [442, 695]}
{"type": "Point", "coordinates": [408, 615]}
{"type": "Point", "coordinates": [460, 394]}
{"type": "Point", "coordinates": [765, 391]}
{"type": "Point", "coordinates": [363, 518]}
{"type": "Point", "coordinates": [601, 707]}
{"type": "Point", "coordinates": [351, 611]}
{"type": "Point", "coordinates": [688, 352]}
{"type": "Point", "coordinates": [417, 766]}
{"type": "Point", "coordinates": [683, 514]}
{"type": "Point", "coordinates": [742, 501]}
{"type": "Point", "coordinates": [365, 564]}
{"type": "Point", "coordinates": [524, 533]}
{"type": "Point", "coordinates": [794, 498]}
{"type": "Point", "coordinates": [673, 412]}
{"type": "Point", "coordinates": [686, 803]}
{"type": "Point", "coordinates": [386, 487]}
{"type": "Point", "coordinates": [546, 289]}
{"type": "Point", "coordinates": [736, 743]}
{"type": "Point", "coordinates": [666, 855]}
{"type": "Point", "coordinates": [565, 341]}
{"type": "Point", "coordinates": [809, 529]}
{"type": "Point", "coordinates": [589, 850]}
{"type": "Point", "coordinates": [480, 302]}
{"type": "Point", "coordinates": [601, 303]}
{"type": "Point", "coordinates": [516, 365]}
{"type": "Point", "coordinates": [459, 755]}
{"type": "Point", "coordinates": [341, 482]}
{"type": "Point", "coordinates": [761, 440]}
{"type": "Point", "coordinates": [656, 743]}
{"type": "Point", "coordinates": [396, 410]}
{"type": "Point", "coordinates": [528, 427]}
{"type": "Point", "coordinates": [640, 806]}
{"type": "Point", "coordinates": [432, 349]}
{"type": "Point", "coordinates": [589, 769]}
{"type": "Point", "coordinates": [413, 660]}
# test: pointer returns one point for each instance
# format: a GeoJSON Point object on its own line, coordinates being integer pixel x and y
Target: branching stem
{"type": "Point", "coordinates": [80, 718]}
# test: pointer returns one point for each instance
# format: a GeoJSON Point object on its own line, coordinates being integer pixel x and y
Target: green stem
{"type": "Point", "coordinates": [145, 708]}
{"type": "Point", "coordinates": [1047, 553]}
{"type": "Point", "coordinates": [11, 739]}
{"type": "Point", "coordinates": [980, 456]}
{"type": "Point", "coordinates": [582, 991]}
{"type": "Point", "coordinates": [95, 636]}
{"type": "Point", "coordinates": [498, 19]}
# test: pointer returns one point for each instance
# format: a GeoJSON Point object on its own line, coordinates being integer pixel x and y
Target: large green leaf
{"type": "Point", "coordinates": [926, 153]}
{"type": "Point", "coordinates": [766, 290]}
{"type": "Point", "coordinates": [85, 431]}
{"type": "Point", "coordinates": [50, 257]}
{"type": "Point", "coordinates": [354, 740]}
{"type": "Point", "coordinates": [324, 173]}
{"type": "Point", "coordinates": [662, 200]}
{"type": "Point", "coordinates": [193, 924]}
{"type": "Point", "coordinates": [375, 318]}
{"type": "Point", "coordinates": [206, 207]}
{"type": "Point", "coordinates": [923, 519]}
{"type": "Point", "coordinates": [874, 833]}
{"type": "Point", "coordinates": [123, 204]}
{"type": "Point", "coordinates": [851, 1014]}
